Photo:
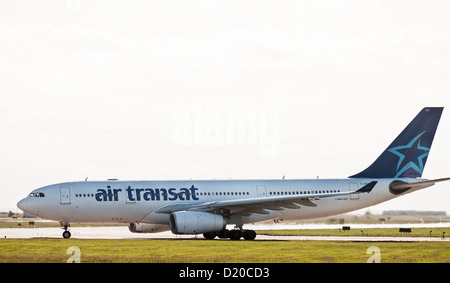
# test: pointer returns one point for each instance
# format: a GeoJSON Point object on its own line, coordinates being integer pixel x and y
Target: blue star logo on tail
{"type": "Point", "coordinates": [410, 156]}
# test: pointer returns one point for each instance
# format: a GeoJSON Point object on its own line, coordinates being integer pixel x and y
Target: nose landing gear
{"type": "Point", "coordinates": [66, 234]}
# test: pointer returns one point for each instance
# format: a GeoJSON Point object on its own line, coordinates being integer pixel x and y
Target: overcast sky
{"type": "Point", "coordinates": [217, 89]}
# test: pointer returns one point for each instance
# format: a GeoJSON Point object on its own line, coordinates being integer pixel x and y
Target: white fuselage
{"type": "Point", "coordinates": [207, 206]}
{"type": "Point", "coordinates": [138, 201]}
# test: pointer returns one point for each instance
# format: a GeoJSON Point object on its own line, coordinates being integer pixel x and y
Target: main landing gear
{"type": "Point", "coordinates": [234, 235]}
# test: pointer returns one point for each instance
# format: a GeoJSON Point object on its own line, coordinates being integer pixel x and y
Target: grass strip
{"type": "Point", "coordinates": [218, 251]}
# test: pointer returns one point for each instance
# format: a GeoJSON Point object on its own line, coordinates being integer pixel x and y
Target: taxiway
{"type": "Point", "coordinates": [122, 232]}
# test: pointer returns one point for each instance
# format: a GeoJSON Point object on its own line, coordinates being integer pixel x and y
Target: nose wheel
{"type": "Point", "coordinates": [66, 234]}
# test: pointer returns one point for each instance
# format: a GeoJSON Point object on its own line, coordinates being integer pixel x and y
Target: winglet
{"type": "Point", "coordinates": [367, 188]}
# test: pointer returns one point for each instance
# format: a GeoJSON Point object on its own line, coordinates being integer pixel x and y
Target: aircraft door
{"type": "Point", "coordinates": [261, 191]}
{"type": "Point", "coordinates": [65, 195]}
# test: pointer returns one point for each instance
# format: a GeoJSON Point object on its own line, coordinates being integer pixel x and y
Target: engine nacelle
{"type": "Point", "coordinates": [137, 227]}
{"type": "Point", "coordinates": [193, 222]}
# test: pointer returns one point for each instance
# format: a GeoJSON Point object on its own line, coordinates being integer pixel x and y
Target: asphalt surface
{"type": "Point", "coordinates": [122, 232]}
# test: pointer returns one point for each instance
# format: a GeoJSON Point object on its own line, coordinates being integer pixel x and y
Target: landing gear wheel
{"type": "Point", "coordinates": [249, 235]}
{"type": "Point", "coordinates": [210, 235]}
{"type": "Point", "coordinates": [66, 234]}
{"type": "Point", "coordinates": [235, 235]}
{"type": "Point", "coordinates": [224, 234]}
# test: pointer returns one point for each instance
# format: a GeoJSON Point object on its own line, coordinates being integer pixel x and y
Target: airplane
{"type": "Point", "coordinates": [208, 206]}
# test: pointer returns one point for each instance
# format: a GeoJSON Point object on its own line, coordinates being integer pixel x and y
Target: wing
{"type": "Point", "coordinates": [262, 205]}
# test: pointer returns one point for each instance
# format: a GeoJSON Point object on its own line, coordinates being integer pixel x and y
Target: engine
{"type": "Point", "coordinates": [137, 227]}
{"type": "Point", "coordinates": [193, 222]}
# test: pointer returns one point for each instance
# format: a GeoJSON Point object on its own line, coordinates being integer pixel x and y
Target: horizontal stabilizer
{"type": "Point", "coordinates": [427, 183]}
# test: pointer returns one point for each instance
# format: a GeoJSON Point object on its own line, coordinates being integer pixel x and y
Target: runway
{"type": "Point", "coordinates": [122, 232]}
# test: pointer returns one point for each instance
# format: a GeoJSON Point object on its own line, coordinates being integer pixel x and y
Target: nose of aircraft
{"type": "Point", "coordinates": [22, 204]}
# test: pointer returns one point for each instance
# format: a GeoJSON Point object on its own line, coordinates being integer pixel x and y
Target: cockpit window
{"type": "Point", "coordinates": [37, 195]}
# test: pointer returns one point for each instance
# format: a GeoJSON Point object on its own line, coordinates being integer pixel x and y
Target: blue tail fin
{"type": "Point", "coordinates": [407, 154]}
